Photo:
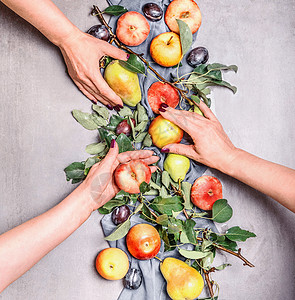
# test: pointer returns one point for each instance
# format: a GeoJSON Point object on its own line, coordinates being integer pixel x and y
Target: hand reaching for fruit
{"type": "Point", "coordinates": [100, 183]}
{"type": "Point", "coordinates": [82, 53]}
{"type": "Point", "coordinates": [211, 147]}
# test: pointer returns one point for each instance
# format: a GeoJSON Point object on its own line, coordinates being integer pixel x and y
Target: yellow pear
{"type": "Point", "coordinates": [183, 281]}
{"type": "Point", "coordinates": [123, 82]}
{"type": "Point", "coordinates": [177, 166]}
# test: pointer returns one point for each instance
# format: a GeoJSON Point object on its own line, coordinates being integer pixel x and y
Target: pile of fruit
{"type": "Point", "coordinates": [162, 197]}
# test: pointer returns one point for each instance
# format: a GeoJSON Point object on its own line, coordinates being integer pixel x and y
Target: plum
{"type": "Point", "coordinates": [197, 56]}
{"type": "Point", "coordinates": [153, 12]}
{"type": "Point", "coordinates": [120, 214]}
{"type": "Point", "coordinates": [100, 32]}
{"type": "Point", "coordinates": [133, 279]}
{"type": "Point", "coordinates": [124, 127]}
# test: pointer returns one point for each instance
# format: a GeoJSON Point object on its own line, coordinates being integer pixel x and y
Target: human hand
{"type": "Point", "coordinates": [100, 184]}
{"type": "Point", "coordinates": [212, 147]}
{"type": "Point", "coordinates": [82, 53]}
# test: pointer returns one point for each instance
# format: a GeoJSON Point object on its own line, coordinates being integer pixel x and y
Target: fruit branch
{"type": "Point", "coordinates": [113, 38]}
{"type": "Point", "coordinates": [209, 283]}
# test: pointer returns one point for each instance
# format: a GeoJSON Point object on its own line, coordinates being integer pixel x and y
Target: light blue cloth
{"type": "Point", "coordinates": [153, 286]}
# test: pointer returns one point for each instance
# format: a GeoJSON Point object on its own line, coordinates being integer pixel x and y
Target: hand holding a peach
{"type": "Point", "coordinates": [100, 184]}
{"type": "Point", "coordinates": [211, 146]}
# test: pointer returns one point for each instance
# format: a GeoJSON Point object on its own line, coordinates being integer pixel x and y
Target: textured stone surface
{"type": "Point", "coordinates": [39, 138]}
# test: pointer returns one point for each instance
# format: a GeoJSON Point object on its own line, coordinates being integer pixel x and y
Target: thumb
{"type": "Point", "coordinates": [181, 149]}
{"type": "Point", "coordinates": [111, 157]}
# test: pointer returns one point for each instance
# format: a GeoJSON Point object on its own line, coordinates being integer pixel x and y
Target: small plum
{"type": "Point", "coordinates": [197, 56]}
{"type": "Point", "coordinates": [120, 214]}
{"type": "Point", "coordinates": [133, 279]}
{"type": "Point", "coordinates": [152, 11]}
{"type": "Point", "coordinates": [100, 32]}
{"type": "Point", "coordinates": [124, 127]}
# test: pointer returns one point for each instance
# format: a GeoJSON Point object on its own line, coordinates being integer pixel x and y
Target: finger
{"type": "Point", "coordinates": [185, 150]}
{"type": "Point", "coordinates": [151, 160]}
{"type": "Point", "coordinates": [105, 91]}
{"type": "Point", "coordinates": [111, 157]}
{"type": "Point", "coordinates": [138, 154]}
{"type": "Point", "coordinates": [206, 111]}
{"type": "Point", "coordinates": [85, 92]}
{"type": "Point", "coordinates": [115, 52]}
{"type": "Point", "coordinates": [153, 169]}
{"type": "Point", "coordinates": [184, 119]}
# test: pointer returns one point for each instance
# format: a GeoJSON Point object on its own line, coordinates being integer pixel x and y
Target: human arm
{"type": "Point", "coordinates": [80, 50]}
{"type": "Point", "coordinates": [213, 148]}
{"type": "Point", "coordinates": [24, 245]}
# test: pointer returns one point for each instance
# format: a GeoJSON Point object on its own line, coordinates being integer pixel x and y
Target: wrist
{"type": "Point", "coordinates": [230, 165]}
{"type": "Point", "coordinates": [67, 38]}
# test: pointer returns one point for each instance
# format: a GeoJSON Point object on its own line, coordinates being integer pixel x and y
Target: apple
{"type": "Point", "coordinates": [164, 132]}
{"type": "Point", "coordinates": [160, 92]}
{"type": "Point", "coordinates": [177, 166]}
{"type": "Point", "coordinates": [112, 263]}
{"type": "Point", "coordinates": [205, 191]}
{"type": "Point", "coordinates": [184, 10]}
{"type": "Point", "coordinates": [143, 241]}
{"type": "Point", "coordinates": [132, 28]}
{"type": "Point", "coordinates": [130, 175]}
{"type": "Point", "coordinates": [165, 49]}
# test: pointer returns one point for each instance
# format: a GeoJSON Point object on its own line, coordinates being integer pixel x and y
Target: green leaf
{"type": "Point", "coordinates": [125, 112]}
{"type": "Point", "coordinates": [119, 232]}
{"type": "Point", "coordinates": [175, 227]}
{"type": "Point", "coordinates": [186, 36]}
{"type": "Point", "coordinates": [141, 114]}
{"type": "Point", "coordinates": [124, 143]}
{"type": "Point", "coordinates": [100, 121]}
{"type": "Point", "coordinates": [188, 228]}
{"type": "Point", "coordinates": [167, 205]}
{"type": "Point", "coordinates": [166, 179]}
{"type": "Point", "coordinates": [221, 211]}
{"type": "Point", "coordinates": [101, 110]}
{"type": "Point", "coordinates": [195, 98]}
{"type": "Point", "coordinates": [217, 66]}
{"type": "Point", "coordinates": [85, 119]}
{"type": "Point", "coordinates": [132, 127]}
{"type": "Point", "coordinates": [206, 245]}
{"type": "Point", "coordinates": [237, 234]}
{"type": "Point", "coordinates": [133, 64]}
{"type": "Point", "coordinates": [147, 142]}
{"type": "Point", "coordinates": [113, 203]}
{"type": "Point", "coordinates": [75, 172]}
{"type": "Point", "coordinates": [138, 208]}
{"type": "Point", "coordinates": [115, 10]}
{"type": "Point", "coordinates": [162, 220]}
{"type": "Point", "coordinates": [193, 254]}
{"type": "Point", "coordinates": [91, 161]}
{"type": "Point", "coordinates": [146, 214]}
{"type": "Point", "coordinates": [222, 267]}
{"type": "Point", "coordinates": [163, 192]}
{"type": "Point", "coordinates": [207, 260]}
{"type": "Point", "coordinates": [144, 187]}
{"type": "Point", "coordinates": [228, 244]}
{"type": "Point", "coordinates": [208, 298]}
{"type": "Point", "coordinates": [106, 135]}
{"type": "Point", "coordinates": [115, 120]}
{"type": "Point", "coordinates": [186, 190]}
{"type": "Point", "coordinates": [103, 211]}
{"type": "Point", "coordinates": [140, 137]}
{"type": "Point", "coordinates": [141, 126]}
{"type": "Point", "coordinates": [155, 186]}
{"type": "Point", "coordinates": [95, 148]}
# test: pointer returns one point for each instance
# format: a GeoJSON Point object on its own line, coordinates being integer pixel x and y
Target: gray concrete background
{"type": "Point", "coordinates": [39, 138]}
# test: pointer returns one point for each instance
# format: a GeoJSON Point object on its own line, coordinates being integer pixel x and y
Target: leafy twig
{"type": "Point", "coordinates": [209, 283]}
{"type": "Point", "coordinates": [97, 12]}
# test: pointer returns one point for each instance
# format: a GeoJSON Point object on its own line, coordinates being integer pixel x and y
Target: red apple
{"type": "Point", "coordinates": [143, 241]}
{"type": "Point", "coordinates": [184, 10]}
{"type": "Point", "coordinates": [205, 191]}
{"type": "Point", "coordinates": [129, 176]}
{"type": "Point", "coordinates": [159, 93]}
{"type": "Point", "coordinates": [164, 132]}
{"type": "Point", "coordinates": [132, 28]}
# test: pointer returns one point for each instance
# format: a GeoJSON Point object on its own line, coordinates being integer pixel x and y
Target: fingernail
{"type": "Point", "coordinates": [109, 107]}
{"type": "Point", "coordinates": [121, 106]}
{"type": "Point", "coordinates": [165, 150]}
{"type": "Point", "coordinates": [128, 55]}
{"type": "Point", "coordinates": [117, 108]}
{"type": "Point", "coordinates": [163, 105]}
{"type": "Point", "coordinates": [113, 143]}
{"type": "Point", "coordinates": [161, 109]}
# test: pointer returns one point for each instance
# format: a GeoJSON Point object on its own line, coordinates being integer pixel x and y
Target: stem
{"type": "Point", "coordinates": [209, 283]}
{"type": "Point", "coordinates": [97, 12]}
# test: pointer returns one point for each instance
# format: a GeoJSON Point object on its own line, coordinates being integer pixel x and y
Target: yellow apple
{"type": "Point", "coordinates": [165, 49]}
{"type": "Point", "coordinates": [112, 263]}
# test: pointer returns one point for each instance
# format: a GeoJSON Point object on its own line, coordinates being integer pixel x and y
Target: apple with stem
{"type": "Point", "coordinates": [205, 191]}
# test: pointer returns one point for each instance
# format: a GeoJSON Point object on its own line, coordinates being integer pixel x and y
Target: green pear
{"type": "Point", "coordinates": [123, 82]}
{"type": "Point", "coordinates": [183, 281]}
{"type": "Point", "coordinates": [177, 166]}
